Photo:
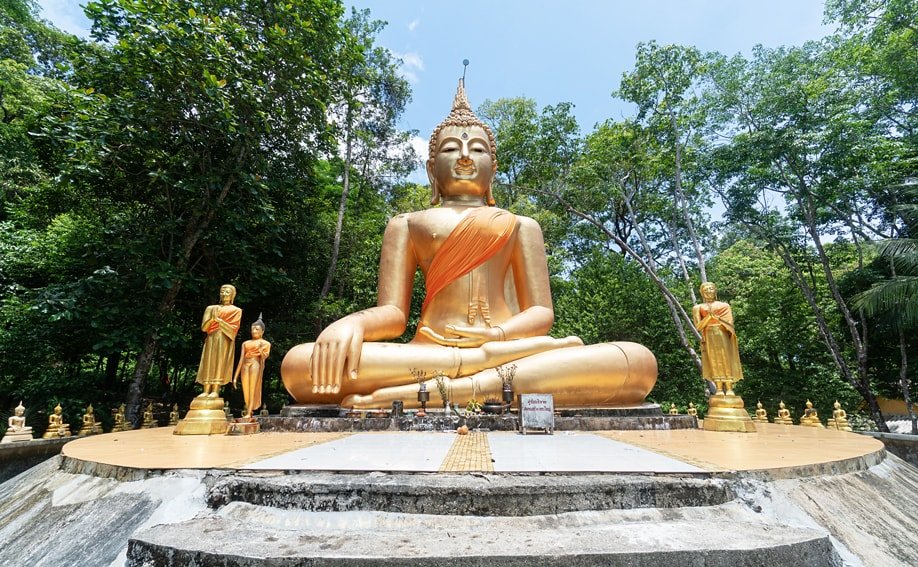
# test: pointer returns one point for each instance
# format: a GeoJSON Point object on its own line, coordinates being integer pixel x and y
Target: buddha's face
{"type": "Point", "coordinates": [462, 164]}
{"type": "Point", "coordinates": [226, 295]}
{"type": "Point", "coordinates": [257, 331]}
{"type": "Point", "coordinates": [708, 291]}
{"type": "Point", "coordinates": [19, 412]}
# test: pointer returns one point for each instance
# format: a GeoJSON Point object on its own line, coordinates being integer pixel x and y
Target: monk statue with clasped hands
{"type": "Point", "coordinates": [487, 303]}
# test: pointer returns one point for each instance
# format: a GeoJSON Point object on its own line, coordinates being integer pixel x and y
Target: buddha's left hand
{"type": "Point", "coordinates": [466, 337]}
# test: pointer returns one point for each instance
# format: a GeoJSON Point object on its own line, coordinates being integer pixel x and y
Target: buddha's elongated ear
{"type": "Point", "coordinates": [434, 190]}
{"type": "Point", "coordinates": [489, 196]}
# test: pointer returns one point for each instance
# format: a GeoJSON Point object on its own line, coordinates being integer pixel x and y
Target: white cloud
{"type": "Point", "coordinates": [414, 23]}
{"type": "Point", "coordinates": [421, 147]}
{"type": "Point", "coordinates": [412, 64]}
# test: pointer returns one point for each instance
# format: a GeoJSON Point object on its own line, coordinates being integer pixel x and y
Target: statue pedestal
{"type": "Point", "coordinates": [17, 436]}
{"type": "Point", "coordinates": [206, 417]}
{"type": "Point", "coordinates": [727, 413]}
{"type": "Point", "coordinates": [243, 426]}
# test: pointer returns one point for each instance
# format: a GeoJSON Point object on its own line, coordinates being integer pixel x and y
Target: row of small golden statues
{"type": "Point", "coordinates": [810, 418]}
{"type": "Point", "coordinates": [17, 430]}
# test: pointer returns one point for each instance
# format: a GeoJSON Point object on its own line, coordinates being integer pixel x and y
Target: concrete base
{"type": "Point", "coordinates": [243, 426]}
{"type": "Point", "coordinates": [205, 417]}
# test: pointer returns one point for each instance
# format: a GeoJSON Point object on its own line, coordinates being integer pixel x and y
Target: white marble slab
{"type": "Point", "coordinates": [576, 452]}
{"type": "Point", "coordinates": [384, 451]}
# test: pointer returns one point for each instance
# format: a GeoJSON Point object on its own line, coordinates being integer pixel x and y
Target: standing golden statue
{"type": "Point", "coordinates": [17, 430]}
{"type": "Point", "coordinates": [252, 367]}
{"type": "Point", "coordinates": [221, 323]}
{"type": "Point", "coordinates": [720, 363]}
{"type": "Point", "coordinates": [487, 303]}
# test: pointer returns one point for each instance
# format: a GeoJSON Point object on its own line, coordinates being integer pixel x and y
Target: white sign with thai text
{"type": "Point", "coordinates": [537, 411]}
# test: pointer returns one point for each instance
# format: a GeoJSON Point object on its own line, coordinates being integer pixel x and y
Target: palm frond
{"type": "Point", "coordinates": [897, 296]}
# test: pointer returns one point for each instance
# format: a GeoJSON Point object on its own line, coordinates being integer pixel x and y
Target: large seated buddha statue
{"type": "Point", "coordinates": [487, 304]}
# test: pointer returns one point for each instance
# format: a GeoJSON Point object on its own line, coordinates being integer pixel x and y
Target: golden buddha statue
{"type": "Point", "coordinates": [227, 411]}
{"type": "Point", "coordinates": [264, 412]}
{"type": "Point", "coordinates": [148, 421]}
{"type": "Point", "coordinates": [673, 410]}
{"type": "Point", "coordinates": [692, 410]}
{"type": "Point", "coordinates": [839, 419]}
{"type": "Point", "coordinates": [173, 415]}
{"type": "Point", "coordinates": [783, 417]}
{"type": "Point", "coordinates": [121, 423]}
{"type": "Point", "coordinates": [89, 427]}
{"type": "Point", "coordinates": [760, 414]}
{"type": "Point", "coordinates": [17, 430]}
{"type": "Point", "coordinates": [487, 304]}
{"type": "Point", "coordinates": [810, 416]}
{"type": "Point", "coordinates": [719, 350]}
{"type": "Point", "coordinates": [221, 323]}
{"type": "Point", "coordinates": [56, 426]}
{"type": "Point", "coordinates": [720, 363]}
{"type": "Point", "coordinates": [252, 367]}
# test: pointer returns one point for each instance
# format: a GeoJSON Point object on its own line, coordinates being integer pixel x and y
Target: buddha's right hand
{"type": "Point", "coordinates": [336, 354]}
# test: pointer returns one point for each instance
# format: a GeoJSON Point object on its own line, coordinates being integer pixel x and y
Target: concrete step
{"type": "Point", "coordinates": [245, 535]}
{"type": "Point", "coordinates": [468, 494]}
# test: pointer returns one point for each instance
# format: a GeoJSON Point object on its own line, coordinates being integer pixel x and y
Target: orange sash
{"type": "Point", "coordinates": [478, 236]}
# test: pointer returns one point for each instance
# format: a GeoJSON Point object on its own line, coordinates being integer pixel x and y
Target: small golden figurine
{"type": "Point", "coordinates": [692, 410]}
{"type": "Point", "coordinates": [221, 323]}
{"type": "Point", "coordinates": [173, 415]}
{"type": "Point", "coordinates": [121, 423]}
{"type": "Point", "coordinates": [761, 415]}
{"type": "Point", "coordinates": [264, 412]}
{"type": "Point", "coordinates": [56, 426]}
{"type": "Point", "coordinates": [783, 417]}
{"type": "Point", "coordinates": [17, 429]}
{"type": "Point", "coordinates": [810, 416]}
{"type": "Point", "coordinates": [252, 367]}
{"type": "Point", "coordinates": [839, 419]}
{"type": "Point", "coordinates": [148, 421]}
{"type": "Point", "coordinates": [89, 427]}
{"type": "Point", "coordinates": [673, 410]}
{"type": "Point", "coordinates": [720, 363]}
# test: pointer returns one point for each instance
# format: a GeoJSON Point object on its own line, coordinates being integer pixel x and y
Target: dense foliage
{"type": "Point", "coordinates": [192, 143]}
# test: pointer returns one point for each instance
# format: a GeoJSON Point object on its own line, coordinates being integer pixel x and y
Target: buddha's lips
{"type": "Point", "coordinates": [464, 170]}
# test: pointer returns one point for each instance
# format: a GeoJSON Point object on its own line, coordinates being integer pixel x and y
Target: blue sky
{"type": "Point", "coordinates": [572, 51]}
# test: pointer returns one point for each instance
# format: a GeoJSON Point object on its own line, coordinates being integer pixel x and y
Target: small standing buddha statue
{"type": "Point", "coordinates": [121, 423]}
{"type": "Point", "coordinates": [227, 411]}
{"type": "Point", "coordinates": [56, 426]}
{"type": "Point", "coordinates": [148, 421]}
{"type": "Point", "coordinates": [17, 429]}
{"type": "Point", "coordinates": [761, 415]}
{"type": "Point", "coordinates": [89, 427]}
{"type": "Point", "coordinates": [173, 415]}
{"type": "Point", "coordinates": [783, 417]}
{"type": "Point", "coordinates": [839, 419]}
{"type": "Point", "coordinates": [810, 416]}
{"type": "Point", "coordinates": [692, 410]}
{"type": "Point", "coordinates": [673, 410]}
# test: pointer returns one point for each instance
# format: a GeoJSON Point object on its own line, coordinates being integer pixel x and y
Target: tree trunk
{"type": "Point", "coordinates": [903, 382]}
{"type": "Point", "coordinates": [683, 203]}
{"type": "Point", "coordinates": [193, 231]}
{"type": "Point", "coordinates": [345, 189]}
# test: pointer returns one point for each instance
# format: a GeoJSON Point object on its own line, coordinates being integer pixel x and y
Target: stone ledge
{"type": "Point", "coordinates": [247, 537]}
{"type": "Point", "coordinates": [22, 455]}
{"type": "Point", "coordinates": [467, 494]}
{"type": "Point", "coordinates": [439, 422]}
{"type": "Point", "coordinates": [902, 445]}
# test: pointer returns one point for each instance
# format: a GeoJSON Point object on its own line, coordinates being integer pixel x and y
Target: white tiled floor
{"type": "Point", "coordinates": [561, 452]}
{"type": "Point", "coordinates": [367, 452]}
{"type": "Point", "coordinates": [580, 452]}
